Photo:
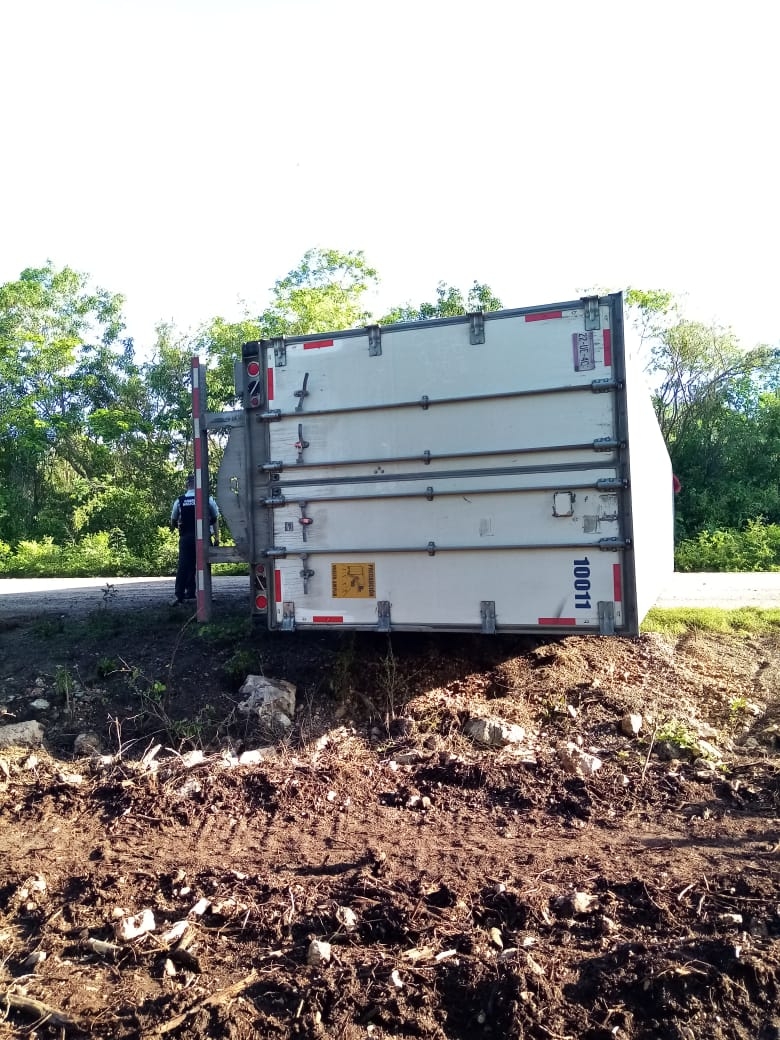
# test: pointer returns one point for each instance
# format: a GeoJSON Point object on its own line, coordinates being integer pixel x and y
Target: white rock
{"type": "Point", "coordinates": [707, 750]}
{"type": "Point", "coordinates": [395, 978]}
{"type": "Point", "coordinates": [495, 732]}
{"type": "Point", "coordinates": [87, 744]}
{"type": "Point", "coordinates": [631, 724]}
{"type": "Point", "coordinates": [730, 919]}
{"type": "Point", "coordinates": [584, 902]}
{"type": "Point", "coordinates": [175, 932]}
{"type": "Point", "coordinates": [71, 779]}
{"type": "Point", "coordinates": [31, 962]}
{"type": "Point", "coordinates": [318, 952]}
{"type": "Point", "coordinates": [131, 927]}
{"type": "Point", "coordinates": [252, 758]}
{"type": "Point", "coordinates": [578, 762]}
{"type": "Point", "coordinates": [347, 918]}
{"type": "Point", "coordinates": [21, 734]}
{"type": "Point", "coordinates": [193, 758]}
{"type": "Point", "coordinates": [40, 704]}
{"type": "Point", "coordinates": [267, 697]}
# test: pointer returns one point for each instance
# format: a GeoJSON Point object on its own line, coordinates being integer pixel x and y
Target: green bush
{"type": "Point", "coordinates": [755, 548]}
{"type": "Point", "coordinates": [102, 554]}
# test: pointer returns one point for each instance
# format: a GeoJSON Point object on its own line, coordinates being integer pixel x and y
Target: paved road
{"type": "Point", "coordinates": [23, 597]}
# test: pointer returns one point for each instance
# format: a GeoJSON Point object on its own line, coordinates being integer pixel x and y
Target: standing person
{"type": "Point", "coordinates": [183, 518]}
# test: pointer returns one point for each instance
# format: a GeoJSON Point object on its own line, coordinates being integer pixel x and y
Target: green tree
{"type": "Point", "coordinates": [61, 357]}
{"type": "Point", "coordinates": [449, 303]}
{"type": "Point", "coordinates": [325, 291]}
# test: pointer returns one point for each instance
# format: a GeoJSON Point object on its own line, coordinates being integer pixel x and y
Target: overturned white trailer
{"type": "Point", "coordinates": [494, 472]}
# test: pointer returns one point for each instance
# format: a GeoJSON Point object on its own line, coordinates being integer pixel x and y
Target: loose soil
{"type": "Point", "coordinates": [577, 881]}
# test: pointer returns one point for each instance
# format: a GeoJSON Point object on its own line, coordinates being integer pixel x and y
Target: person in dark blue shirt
{"type": "Point", "coordinates": [183, 518]}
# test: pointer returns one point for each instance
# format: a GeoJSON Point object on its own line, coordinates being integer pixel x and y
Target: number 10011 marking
{"type": "Point", "coordinates": [582, 584]}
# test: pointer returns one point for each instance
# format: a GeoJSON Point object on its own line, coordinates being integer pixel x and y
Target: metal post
{"type": "Point", "coordinates": [201, 469]}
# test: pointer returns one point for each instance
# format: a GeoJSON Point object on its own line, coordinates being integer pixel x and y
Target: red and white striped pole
{"type": "Point", "coordinates": [201, 469]}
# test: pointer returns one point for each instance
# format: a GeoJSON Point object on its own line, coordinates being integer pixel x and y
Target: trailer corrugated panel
{"type": "Point", "coordinates": [475, 473]}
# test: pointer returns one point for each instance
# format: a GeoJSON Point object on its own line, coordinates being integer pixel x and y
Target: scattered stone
{"type": "Point", "coordinates": [40, 704]}
{"type": "Point", "coordinates": [631, 724]}
{"type": "Point", "coordinates": [175, 932]}
{"type": "Point", "coordinates": [578, 762]}
{"type": "Point", "coordinates": [494, 732]}
{"type": "Point", "coordinates": [707, 751]}
{"type": "Point", "coordinates": [87, 744]}
{"type": "Point", "coordinates": [496, 938]}
{"type": "Point", "coordinates": [318, 952]}
{"type": "Point", "coordinates": [584, 902]}
{"type": "Point", "coordinates": [576, 903]}
{"type": "Point", "coordinates": [127, 928]}
{"type": "Point", "coordinates": [254, 757]}
{"type": "Point", "coordinates": [21, 734]}
{"type": "Point", "coordinates": [102, 948]}
{"type": "Point", "coordinates": [169, 968]}
{"type": "Point", "coordinates": [670, 752]}
{"type": "Point", "coordinates": [267, 700]}
{"type": "Point", "coordinates": [193, 758]}
{"type": "Point", "coordinates": [730, 919]}
{"type": "Point", "coordinates": [71, 779]}
{"type": "Point", "coordinates": [31, 963]}
{"type": "Point", "coordinates": [347, 918]}
{"type": "Point", "coordinates": [192, 788]}
{"type": "Point", "coordinates": [395, 978]}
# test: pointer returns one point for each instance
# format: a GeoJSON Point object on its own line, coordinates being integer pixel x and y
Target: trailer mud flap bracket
{"type": "Point", "coordinates": [383, 615]}
{"type": "Point", "coordinates": [606, 617]}
{"type": "Point", "coordinates": [487, 611]}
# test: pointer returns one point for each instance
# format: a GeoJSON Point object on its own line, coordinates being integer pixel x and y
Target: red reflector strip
{"type": "Point", "coordinates": [607, 347]}
{"type": "Point", "coordinates": [318, 344]}
{"type": "Point", "coordinates": [557, 621]}
{"type": "Point", "coordinates": [544, 316]}
{"type": "Point", "coordinates": [270, 384]}
{"type": "Point", "coordinates": [278, 585]}
{"type": "Point", "coordinates": [617, 590]}
{"type": "Point", "coordinates": [328, 619]}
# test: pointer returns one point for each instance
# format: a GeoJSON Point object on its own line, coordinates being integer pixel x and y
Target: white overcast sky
{"type": "Point", "coordinates": [187, 152]}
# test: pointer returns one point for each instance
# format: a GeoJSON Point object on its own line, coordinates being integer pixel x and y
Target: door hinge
{"type": "Point", "coordinates": [605, 444]}
{"type": "Point", "coordinates": [487, 611]}
{"type": "Point", "coordinates": [603, 386]}
{"type": "Point", "coordinates": [279, 348]}
{"type": "Point", "coordinates": [307, 573]}
{"type": "Point", "coordinates": [592, 313]}
{"type": "Point", "coordinates": [288, 616]}
{"type": "Point", "coordinates": [374, 340]}
{"type": "Point", "coordinates": [606, 617]}
{"type": "Point", "coordinates": [476, 327]}
{"type": "Point", "coordinates": [383, 615]}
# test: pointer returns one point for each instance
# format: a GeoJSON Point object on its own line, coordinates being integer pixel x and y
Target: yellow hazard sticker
{"type": "Point", "coordinates": [353, 581]}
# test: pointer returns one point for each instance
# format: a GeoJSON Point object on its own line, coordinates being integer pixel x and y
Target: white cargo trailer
{"type": "Point", "coordinates": [494, 472]}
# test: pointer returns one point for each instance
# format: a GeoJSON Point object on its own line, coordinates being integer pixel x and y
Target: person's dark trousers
{"type": "Point", "coordinates": [185, 572]}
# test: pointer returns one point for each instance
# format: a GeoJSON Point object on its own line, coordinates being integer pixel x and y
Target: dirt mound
{"type": "Point", "coordinates": [458, 837]}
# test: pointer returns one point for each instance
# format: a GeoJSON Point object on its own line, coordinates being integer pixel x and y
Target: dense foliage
{"type": "Point", "coordinates": [93, 442]}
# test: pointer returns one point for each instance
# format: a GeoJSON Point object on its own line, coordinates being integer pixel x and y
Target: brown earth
{"type": "Point", "coordinates": [464, 890]}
